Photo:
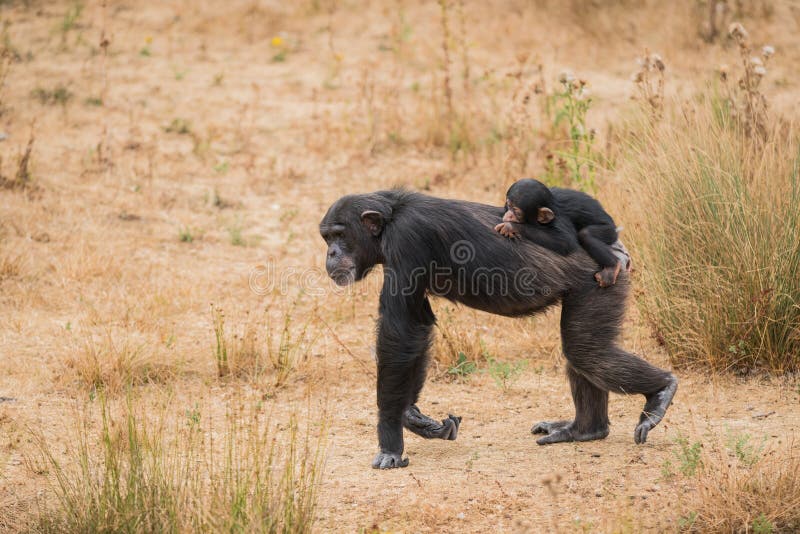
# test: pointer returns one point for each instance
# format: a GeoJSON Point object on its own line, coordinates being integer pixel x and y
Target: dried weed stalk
{"type": "Point", "coordinates": [745, 100]}
{"type": "Point", "coordinates": [649, 80]}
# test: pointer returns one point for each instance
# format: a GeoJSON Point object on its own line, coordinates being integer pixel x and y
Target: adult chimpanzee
{"type": "Point", "coordinates": [540, 213]}
{"type": "Point", "coordinates": [448, 248]}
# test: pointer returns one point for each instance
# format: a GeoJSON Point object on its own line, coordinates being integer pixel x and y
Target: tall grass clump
{"type": "Point", "coordinates": [138, 473]}
{"type": "Point", "coordinates": [254, 349]}
{"type": "Point", "coordinates": [104, 363]}
{"type": "Point", "coordinates": [720, 239]}
{"type": "Point", "coordinates": [732, 494]}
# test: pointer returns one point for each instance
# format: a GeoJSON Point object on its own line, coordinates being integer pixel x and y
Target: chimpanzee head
{"type": "Point", "coordinates": [528, 200]}
{"type": "Point", "coordinates": [352, 229]}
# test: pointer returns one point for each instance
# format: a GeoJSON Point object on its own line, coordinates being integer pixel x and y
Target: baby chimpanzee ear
{"type": "Point", "coordinates": [545, 215]}
{"type": "Point", "coordinates": [373, 221]}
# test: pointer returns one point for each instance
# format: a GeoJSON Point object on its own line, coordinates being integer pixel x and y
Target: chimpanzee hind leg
{"type": "Point", "coordinates": [596, 240]}
{"type": "Point", "coordinates": [421, 424]}
{"type": "Point", "coordinates": [590, 321]}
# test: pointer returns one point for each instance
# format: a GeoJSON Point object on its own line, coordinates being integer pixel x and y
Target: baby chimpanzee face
{"type": "Point", "coordinates": [528, 201]}
{"type": "Point", "coordinates": [513, 213]}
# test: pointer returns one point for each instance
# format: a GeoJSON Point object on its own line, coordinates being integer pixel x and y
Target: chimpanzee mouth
{"type": "Point", "coordinates": [343, 277]}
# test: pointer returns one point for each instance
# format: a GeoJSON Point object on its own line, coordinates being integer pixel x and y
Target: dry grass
{"type": "Point", "coordinates": [104, 363]}
{"type": "Point", "coordinates": [720, 241]}
{"type": "Point", "coordinates": [181, 146]}
{"type": "Point", "coordinates": [751, 491]}
{"type": "Point", "coordinates": [257, 346]}
{"type": "Point", "coordinates": [22, 177]}
{"type": "Point", "coordinates": [458, 350]}
{"type": "Point", "coordinates": [145, 473]}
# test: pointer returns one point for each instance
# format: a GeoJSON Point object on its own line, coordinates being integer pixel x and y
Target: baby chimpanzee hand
{"type": "Point", "coordinates": [507, 229]}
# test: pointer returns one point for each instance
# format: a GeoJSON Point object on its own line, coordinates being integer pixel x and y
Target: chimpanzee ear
{"type": "Point", "coordinates": [373, 221]}
{"type": "Point", "coordinates": [545, 215]}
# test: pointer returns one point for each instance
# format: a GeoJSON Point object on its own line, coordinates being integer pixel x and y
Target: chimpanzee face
{"type": "Point", "coordinates": [339, 262]}
{"type": "Point", "coordinates": [528, 201]}
{"type": "Point", "coordinates": [353, 238]}
{"type": "Point", "coordinates": [513, 213]}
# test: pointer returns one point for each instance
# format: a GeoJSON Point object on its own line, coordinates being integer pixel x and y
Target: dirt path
{"type": "Point", "coordinates": [208, 142]}
{"type": "Point", "coordinates": [495, 477]}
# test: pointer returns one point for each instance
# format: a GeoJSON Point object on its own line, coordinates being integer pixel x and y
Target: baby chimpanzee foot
{"type": "Point", "coordinates": [608, 276]}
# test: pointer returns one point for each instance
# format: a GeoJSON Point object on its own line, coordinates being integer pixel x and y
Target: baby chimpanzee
{"type": "Point", "coordinates": [551, 217]}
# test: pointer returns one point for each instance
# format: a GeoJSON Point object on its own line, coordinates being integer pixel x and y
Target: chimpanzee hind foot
{"type": "Point", "coordinates": [429, 428]}
{"type": "Point", "coordinates": [608, 276]}
{"type": "Point", "coordinates": [389, 460]}
{"type": "Point", "coordinates": [564, 431]}
{"type": "Point", "coordinates": [654, 410]}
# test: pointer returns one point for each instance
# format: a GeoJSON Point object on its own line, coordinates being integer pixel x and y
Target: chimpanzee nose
{"type": "Point", "coordinates": [332, 253]}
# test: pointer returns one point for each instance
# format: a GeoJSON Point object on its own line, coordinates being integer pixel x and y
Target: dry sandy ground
{"type": "Point", "coordinates": [93, 255]}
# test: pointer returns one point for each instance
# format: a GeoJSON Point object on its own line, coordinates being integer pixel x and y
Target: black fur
{"type": "Point", "coordinates": [432, 246]}
{"type": "Point", "coordinates": [595, 228]}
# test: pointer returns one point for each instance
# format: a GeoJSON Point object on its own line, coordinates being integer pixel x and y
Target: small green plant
{"type": "Point", "coordinates": [462, 366]}
{"type": "Point", "coordinates": [289, 215]}
{"type": "Point", "coordinates": [185, 235]}
{"type": "Point", "coordinates": [505, 373]}
{"type": "Point", "coordinates": [70, 21]}
{"type": "Point", "coordinates": [666, 470]}
{"type": "Point", "coordinates": [93, 101]}
{"type": "Point", "coordinates": [235, 234]}
{"type": "Point", "coordinates": [688, 456]}
{"type": "Point", "coordinates": [279, 44]}
{"type": "Point", "coordinates": [179, 126]}
{"type": "Point", "coordinates": [762, 525]}
{"type": "Point", "coordinates": [686, 522]}
{"type": "Point", "coordinates": [576, 164]}
{"type": "Point", "coordinates": [745, 451]}
{"type": "Point", "coordinates": [59, 95]}
{"type": "Point", "coordinates": [222, 167]}
{"type": "Point", "coordinates": [193, 417]}
{"type": "Point", "coordinates": [145, 50]}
